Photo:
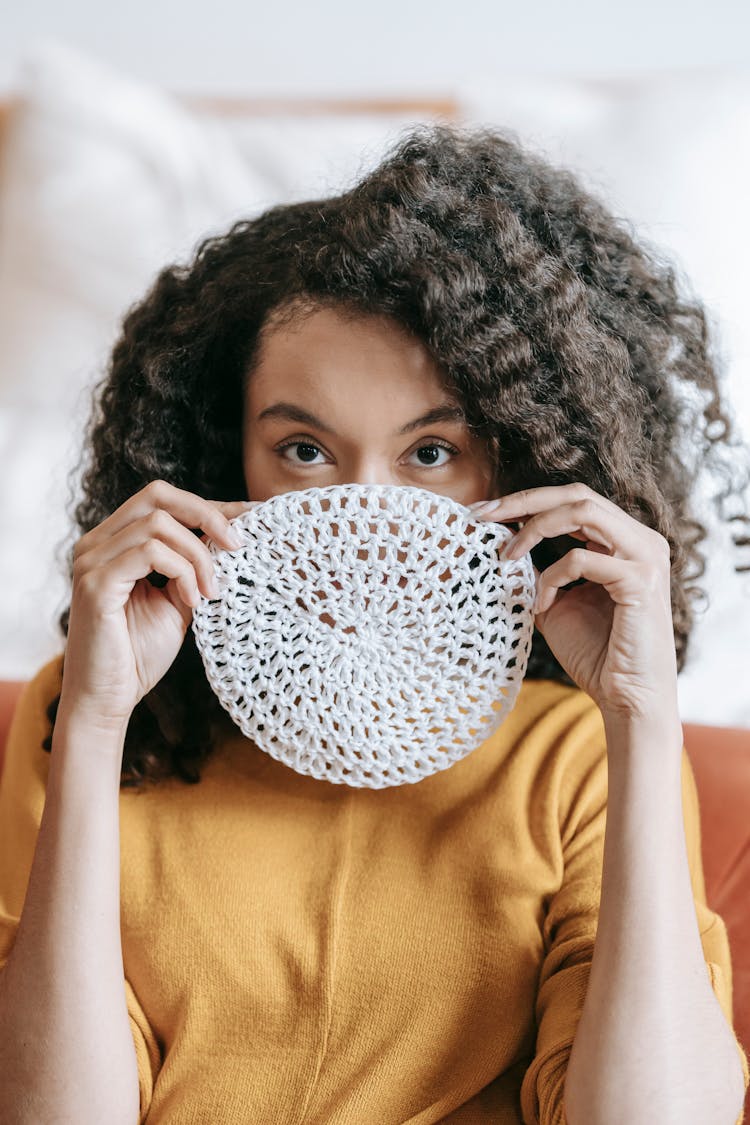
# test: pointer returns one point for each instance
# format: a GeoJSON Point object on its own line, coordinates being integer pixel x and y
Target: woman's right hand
{"type": "Point", "coordinates": [124, 633]}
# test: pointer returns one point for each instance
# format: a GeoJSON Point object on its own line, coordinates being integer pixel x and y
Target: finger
{"type": "Point", "coordinates": [233, 510]}
{"type": "Point", "coordinates": [622, 579]}
{"type": "Point", "coordinates": [159, 525]}
{"type": "Point", "coordinates": [619, 535]}
{"type": "Point", "coordinates": [529, 501]}
{"type": "Point", "coordinates": [186, 507]}
{"type": "Point", "coordinates": [111, 583]}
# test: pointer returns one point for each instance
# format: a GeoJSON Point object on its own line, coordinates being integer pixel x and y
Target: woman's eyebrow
{"type": "Point", "coordinates": [445, 412]}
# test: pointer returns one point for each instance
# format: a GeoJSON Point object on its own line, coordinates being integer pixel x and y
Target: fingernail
{"type": "Point", "coordinates": [507, 547]}
{"type": "Point", "coordinates": [234, 537]}
{"type": "Point", "coordinates": [543, 601]}
{"type": "Point", "coordinates": [484, 505]}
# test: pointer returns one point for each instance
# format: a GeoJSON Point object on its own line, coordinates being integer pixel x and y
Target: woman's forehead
{"type": "Point", "coordinates": [325, 345]}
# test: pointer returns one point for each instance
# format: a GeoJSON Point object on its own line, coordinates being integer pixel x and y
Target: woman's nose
{"type": "Point", "coordinates": [367, 472]}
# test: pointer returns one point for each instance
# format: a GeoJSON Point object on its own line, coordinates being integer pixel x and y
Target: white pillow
{"type": "Point", "coordinates": [105, 180]}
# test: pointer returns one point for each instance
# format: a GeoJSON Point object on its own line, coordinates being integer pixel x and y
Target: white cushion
{"type": "Point", "coordinates": [106, 179]}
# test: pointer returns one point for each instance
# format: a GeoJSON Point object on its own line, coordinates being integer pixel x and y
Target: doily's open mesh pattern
{"type": "Point", "coordinates": [366, 635]}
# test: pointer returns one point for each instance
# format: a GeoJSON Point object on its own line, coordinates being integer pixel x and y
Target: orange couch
{"type": "Point", "coordinates": [720, 757]}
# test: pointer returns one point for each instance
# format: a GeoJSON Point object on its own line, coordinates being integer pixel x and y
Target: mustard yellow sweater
{"type": "Point", "coordinates": [300, 952]}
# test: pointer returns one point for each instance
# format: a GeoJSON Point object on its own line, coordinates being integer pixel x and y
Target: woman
{"type": "Point", "coordinates": [277, 949]}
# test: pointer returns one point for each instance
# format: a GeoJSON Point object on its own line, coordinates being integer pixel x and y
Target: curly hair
{"type": "Point", "coordinates": [564, 338]}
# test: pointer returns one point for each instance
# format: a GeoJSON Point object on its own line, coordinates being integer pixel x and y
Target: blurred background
{"type": "Point", "coordinates": [128, 135]}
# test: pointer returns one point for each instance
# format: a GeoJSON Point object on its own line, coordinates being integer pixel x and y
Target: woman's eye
{"type": "Point", "coordinates": [307, 452]}
{"type": "Point", "coordinates": [431, 447]}
{"type": "Point", "coordinates": [307, 446]}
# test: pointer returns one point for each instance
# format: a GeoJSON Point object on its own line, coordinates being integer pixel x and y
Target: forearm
{"type": "Point", "coordinates": [66, 1049]}
{"type": "Point", "coordinates": [652, 1045]}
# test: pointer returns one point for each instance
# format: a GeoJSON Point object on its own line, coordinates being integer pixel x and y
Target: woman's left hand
{"type": "Point", "coordinates": [613, 634]}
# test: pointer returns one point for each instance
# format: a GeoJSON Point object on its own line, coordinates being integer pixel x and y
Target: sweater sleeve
{"type": "Point", "coordinates": [22, 794]}
{"type": "Point", "coordinates": [570, 929]}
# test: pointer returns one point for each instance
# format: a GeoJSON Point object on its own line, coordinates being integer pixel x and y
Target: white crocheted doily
{"type": "Point", "coordinates": [366, 634]}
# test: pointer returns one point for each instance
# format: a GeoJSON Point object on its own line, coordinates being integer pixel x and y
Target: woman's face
{"type": "Point", "coordinates": [335, 400]}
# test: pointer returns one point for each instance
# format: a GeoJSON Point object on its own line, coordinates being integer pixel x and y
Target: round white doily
{"type": "Point", "coordinates": [366, 635]}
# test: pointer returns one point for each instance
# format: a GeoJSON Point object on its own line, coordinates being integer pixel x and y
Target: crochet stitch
{"type": "Point", "coordinates": [367, 635]}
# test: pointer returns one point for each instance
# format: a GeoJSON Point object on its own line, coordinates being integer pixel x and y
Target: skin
{"type": "Point", "coordinates": [364, 378]}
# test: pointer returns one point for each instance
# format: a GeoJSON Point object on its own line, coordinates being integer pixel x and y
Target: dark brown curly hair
{"type": "Point", "coordinates": [566, 341]}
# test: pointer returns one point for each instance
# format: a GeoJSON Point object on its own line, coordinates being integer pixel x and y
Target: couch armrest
{"type": "Point", "coordinates": [720, 757]}
{"type": "Point", "coordinates": [10, 690]}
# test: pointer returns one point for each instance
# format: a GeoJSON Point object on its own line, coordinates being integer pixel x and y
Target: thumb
{"type": "Point", "coordinates": [538, 617]}
{"type": "Point", "coordinates": [233, 508]}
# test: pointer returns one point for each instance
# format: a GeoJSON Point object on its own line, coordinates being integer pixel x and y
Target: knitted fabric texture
{"type": "Point", "coordinates": [366, 635]}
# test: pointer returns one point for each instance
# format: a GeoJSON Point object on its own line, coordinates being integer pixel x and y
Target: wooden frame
{"type": "Point", "coordinates": [445, 107]}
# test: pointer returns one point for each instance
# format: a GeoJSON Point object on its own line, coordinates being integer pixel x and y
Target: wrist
{"type": "Point", "coordinates": [644, 735]}
{"type": "Point", "coordinates": [666, 720]}
{"type": "Point", "coordinates": [77, 724]}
